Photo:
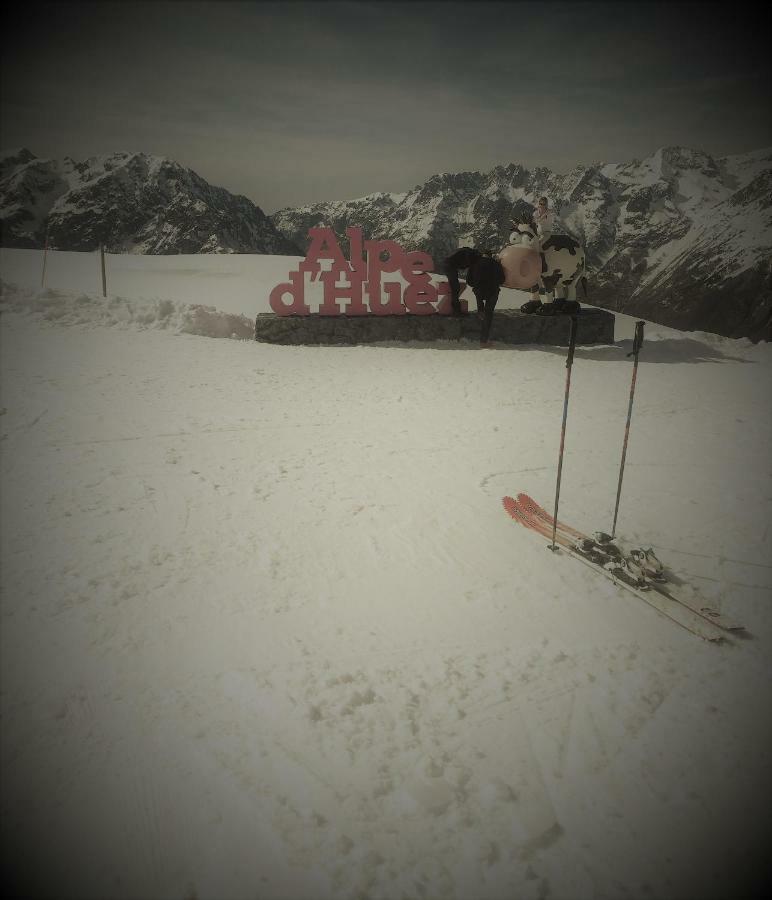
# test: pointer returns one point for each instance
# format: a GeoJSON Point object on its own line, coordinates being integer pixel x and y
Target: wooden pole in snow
{"type": "Point", "coordinates": [45, 254]}
{"type": "Point", "coordinates": [104, 274]}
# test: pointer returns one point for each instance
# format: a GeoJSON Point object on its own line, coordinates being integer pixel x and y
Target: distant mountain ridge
{"type": "Point", "coordinates": [679, 238]}
{"type": "Point", "coordinates": [130, 202]}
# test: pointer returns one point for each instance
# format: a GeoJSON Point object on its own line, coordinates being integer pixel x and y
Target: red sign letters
{"type": "Point", "coordinates": [358, 283]}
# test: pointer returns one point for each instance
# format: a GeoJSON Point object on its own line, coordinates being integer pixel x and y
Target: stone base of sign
{"type": "Point", "coordinates": [595, 326]}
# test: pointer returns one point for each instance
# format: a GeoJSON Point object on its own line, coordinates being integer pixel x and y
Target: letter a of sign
{"type": "Point", "coordinates": [324, 245]}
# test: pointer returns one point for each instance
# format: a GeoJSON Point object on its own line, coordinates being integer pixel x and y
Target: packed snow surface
{"type": "Point", "coordinates": [268, 632]}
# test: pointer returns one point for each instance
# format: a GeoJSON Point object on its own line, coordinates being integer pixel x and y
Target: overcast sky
{"type": "Point", "coordinates": [291, 103]}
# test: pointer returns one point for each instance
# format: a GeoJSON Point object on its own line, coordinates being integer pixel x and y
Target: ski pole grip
{"type": "Point", "coordinates": [571, 342]}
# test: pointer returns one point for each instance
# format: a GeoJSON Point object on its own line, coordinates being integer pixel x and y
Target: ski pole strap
{"type": "Point", "coordinates": [572, 343]}
{"type": "Point", "coordinates": [638, 339]}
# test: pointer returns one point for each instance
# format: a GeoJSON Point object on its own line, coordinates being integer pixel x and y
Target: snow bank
{"type": "Point", "coordinates": [70, 308]}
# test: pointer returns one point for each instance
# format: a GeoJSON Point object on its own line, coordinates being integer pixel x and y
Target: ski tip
{"type": "Point", "coordinates": [510, 505]}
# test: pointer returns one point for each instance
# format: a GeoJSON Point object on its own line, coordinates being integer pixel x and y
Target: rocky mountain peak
{"type": "Point", "coordinates": [671, 160]}
{"type": "Point", "coordinates": [678, 237]}
{"type": "Point", "coordinates": [12, 159]}
{"type": "Point", "coordinates": [131, 202]}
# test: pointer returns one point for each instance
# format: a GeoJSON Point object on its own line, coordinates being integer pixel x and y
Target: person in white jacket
{"type": "Point", "coordinates": [543, 219]}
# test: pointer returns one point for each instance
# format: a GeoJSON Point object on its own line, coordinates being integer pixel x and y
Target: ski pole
{"type": "Point", "coordinates": [569, 363]}
{"type": "Point", "coordinates": [637, 341]}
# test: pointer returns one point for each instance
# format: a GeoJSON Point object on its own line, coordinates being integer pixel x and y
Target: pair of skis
{"type": "Point", "coordinates": [607, 559]}
{"type": "Point", "coordinates": [604, 556]}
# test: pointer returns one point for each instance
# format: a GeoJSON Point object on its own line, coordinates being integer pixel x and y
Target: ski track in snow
{"type": "Point", "coordinates": [266, 630]}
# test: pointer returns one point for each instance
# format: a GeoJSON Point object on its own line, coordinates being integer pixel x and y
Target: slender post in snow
{"type": "Point", "coordinates": [569, 363]}
{"type": "Point", "coordinates": [637, 342]}
{"type": "Point", "coordinates": [104, 274]}
{"type": "Point", "coordinates": [45, 255]}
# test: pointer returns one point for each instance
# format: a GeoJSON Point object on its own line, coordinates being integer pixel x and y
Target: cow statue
{"type": "Point", "coordinates": [563, 266]}
{"type": "Point", "coordinates": [561, 260]}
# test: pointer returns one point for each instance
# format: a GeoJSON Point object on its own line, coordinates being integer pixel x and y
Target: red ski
{"type": "Point", "coordinates": [668, 606]}
{"type": "Point", "coordinates": [666, 588]}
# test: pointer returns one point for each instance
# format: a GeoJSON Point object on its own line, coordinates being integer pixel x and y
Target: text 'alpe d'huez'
{"type": "Point", "coordinates": [362, 287]}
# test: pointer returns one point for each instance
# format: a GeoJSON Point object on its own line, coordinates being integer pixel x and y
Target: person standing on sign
{"type": "Point", "coordinates": [543, 220]}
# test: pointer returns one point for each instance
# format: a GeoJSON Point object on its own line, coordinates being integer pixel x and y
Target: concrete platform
{"type": "Point", "coordinates": [595, 326]}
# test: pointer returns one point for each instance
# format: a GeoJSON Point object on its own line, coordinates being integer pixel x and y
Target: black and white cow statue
{"type": "Point", "coordinates": [563, 266]}
{"type": "Point", "coordinates": [560, 258]}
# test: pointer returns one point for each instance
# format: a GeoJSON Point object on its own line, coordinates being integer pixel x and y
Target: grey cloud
{"type": "Point", "coordinates": [295, 102]}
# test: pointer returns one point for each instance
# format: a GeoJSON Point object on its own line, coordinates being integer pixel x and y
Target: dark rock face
{"type": "Point", "coordinates": [509, 327]}
{"type": "Point", "coordinates": [737, 306]}
{"type": "Point", "coordinates": [679, 238]}
{"type": "Point", "coordinates": [130, 203]}
{"type": "Point", "coordinates": [366, 214]}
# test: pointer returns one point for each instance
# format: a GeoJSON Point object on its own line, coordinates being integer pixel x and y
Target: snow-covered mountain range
{"type": "Point", "coordinates": [678, 238]}
{"type": "Point", "coordinates": [130, 202]}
